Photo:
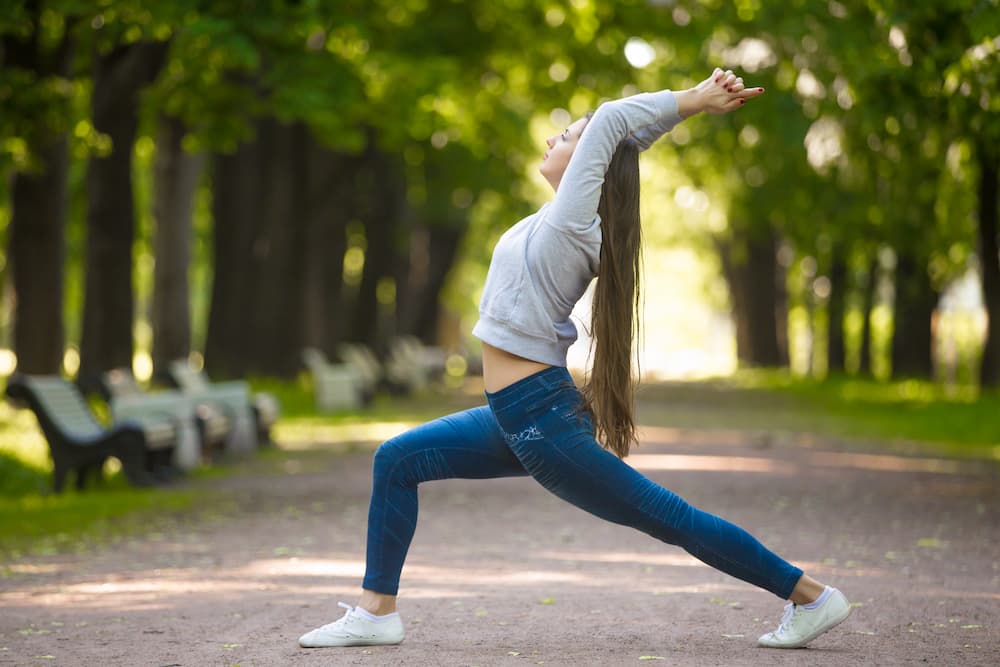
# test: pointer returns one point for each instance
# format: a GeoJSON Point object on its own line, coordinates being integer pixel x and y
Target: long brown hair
{"type": "Point", "coordinates": [609, 393]}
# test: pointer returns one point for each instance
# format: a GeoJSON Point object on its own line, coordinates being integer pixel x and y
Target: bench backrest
{"type": "Point", "coordinates": [120, 383]}
{"type": "Point", "coordinates": [361, 357]}
{"type": "Point", "coordinates": [58, 403]}
{"type": "Point", "coordinates": [314, 359]}
{"type": "Point", "coordinates": [187, 378]}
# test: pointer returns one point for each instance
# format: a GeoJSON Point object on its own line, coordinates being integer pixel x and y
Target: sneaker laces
{"type": "Point", "coordinates": [786, 618]}
{"type": "Point", "coordinates": [342, 619]}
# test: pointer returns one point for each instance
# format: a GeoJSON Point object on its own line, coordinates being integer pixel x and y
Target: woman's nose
{"type": "Point", "coordinates": [550, 142]}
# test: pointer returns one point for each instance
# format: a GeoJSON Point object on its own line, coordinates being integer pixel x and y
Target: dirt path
{"type": "Point", "coordinates": [501, 573]}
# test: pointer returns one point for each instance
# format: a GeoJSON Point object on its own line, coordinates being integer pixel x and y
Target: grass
{"type": "Point", "coordinates": [962, 419]}
{"type": "Point", "coordinates": [43, 524]}
{"type": "Point", "coordinates": [909, 414]}
{"type": "Point", "coordinates": [33, 521]}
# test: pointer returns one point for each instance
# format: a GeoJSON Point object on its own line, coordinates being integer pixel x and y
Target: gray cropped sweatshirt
{"type": "Point", "coordinates": [542, 265]}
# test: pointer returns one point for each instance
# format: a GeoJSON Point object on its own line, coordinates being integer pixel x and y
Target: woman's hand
{"type": "Point", "coordinates": [719, 93]}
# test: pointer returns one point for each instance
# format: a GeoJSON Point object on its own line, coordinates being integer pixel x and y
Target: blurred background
{"type": "Point", "coordinates": [234, 181]}
{"type": "Point", "coordinates": [299, 200]}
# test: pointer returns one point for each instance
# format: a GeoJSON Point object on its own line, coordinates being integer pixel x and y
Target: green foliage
{"type": "Point", "coordinates": [900, 94]}
{"type": "Point", "coordinates": [34, 93]}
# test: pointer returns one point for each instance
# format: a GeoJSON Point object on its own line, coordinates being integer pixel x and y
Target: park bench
{"type": "Point", "coordinates": [411, 364]}
{"type": "Point", "coordinates": [251, 415]}
{"type": "Point", "coordinates": [360, 357]}
{"type": "Point", "coordinates": [201, 427]}
{"type": "Point", "coordinates": [336, 386]}
{"type": "Point", "coordinates": [80, 445]}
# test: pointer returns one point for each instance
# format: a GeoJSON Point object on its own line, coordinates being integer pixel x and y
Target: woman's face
{"type": "Point", "coordinates": [561, 147]}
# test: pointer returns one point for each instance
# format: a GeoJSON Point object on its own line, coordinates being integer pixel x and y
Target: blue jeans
{"type": "Point", "coordinates": [533, 427]}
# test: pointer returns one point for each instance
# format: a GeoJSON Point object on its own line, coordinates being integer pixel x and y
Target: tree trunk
{"type": "Point", "coordinates": [912, 354]}
{"type": "Point", "coordinates": [989, 260]}
{"type": "Point", "coordinates": [275, 322]}
{"type": "Point", "coordinates": [328, 208]}
{"type": "Point", "coordinates": [176, 178]}
{"type": "Point", "coordinates": [835, 312]}
{"type": "Point", "coordinates": [335, 327]}
{"type": "Point", "coordinates": [409, 274]}
{"type": "Point", "coordinates": [234, 213]}
{"type": "Point", "coordinates": [733, 271]}
{"type": "Point", "coordinates": [108, 309]}
{"type": "Point", "coordinates": [753, 284]}
{"type": "Point", "coordinates": [385, 195]}
{"type": "Point", "coordinates": [37, 241]}
{"type": "Point", "coordinates": [38, 258]}
{"type": "Point", "coordinates": [809, 306]}
{"type": "Point", "coordinates": [431, 261]}
{"type": "Point", "coordinates": [867, 303]}
{"type": "Point", "coordinates": [781, 312]}
{"type": "Point", "coordinates": [412, 276]}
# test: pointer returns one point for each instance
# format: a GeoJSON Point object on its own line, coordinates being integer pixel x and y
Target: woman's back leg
{"type": "Point", "coordinates": [466, 445]}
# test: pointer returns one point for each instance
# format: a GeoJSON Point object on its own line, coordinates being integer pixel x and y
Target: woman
{"type": "Point", "coordinates": [537, 422]}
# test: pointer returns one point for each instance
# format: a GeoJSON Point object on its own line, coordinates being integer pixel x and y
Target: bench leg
{"type": "Point", "coordinates": [58, 477]}
{"type": "Point", "coordinates": [88, 472]}
{"type": "Point", "coordinates": [163, 467]}
{"type": "Point", "coordinates": [132, 454]}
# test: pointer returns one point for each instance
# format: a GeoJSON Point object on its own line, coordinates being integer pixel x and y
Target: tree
{"type": "Point", "coordinates": [36, 59]}
{"type": "Point", "coordinates": [970, 87]}
{"type": "Point", "coordinates": [119, 76]}
{"type": "Point", "coordinates": [989, 258]}
{"type": "Point", "coordinates": [177, 174]}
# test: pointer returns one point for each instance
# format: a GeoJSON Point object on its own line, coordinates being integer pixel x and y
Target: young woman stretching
{"type": "Point", "coordinates": [537, 422]}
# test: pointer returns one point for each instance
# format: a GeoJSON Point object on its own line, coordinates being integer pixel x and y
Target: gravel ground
{"type": "Point", "coordinates": [501, 573]}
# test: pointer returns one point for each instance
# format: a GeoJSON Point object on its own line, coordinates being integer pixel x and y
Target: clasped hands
{"type": "Point", "coordinates": [724, 91]}
{"type": "Point", "coordinates": [721, 92]}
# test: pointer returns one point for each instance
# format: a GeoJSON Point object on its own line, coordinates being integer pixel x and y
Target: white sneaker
{"type": "Point", "coordinates": [355, 629]}
{"type": "Point", "coordinates": [799, 625]}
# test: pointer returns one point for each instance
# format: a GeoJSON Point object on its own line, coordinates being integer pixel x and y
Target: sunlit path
{"type": "Point", "coordinates": [911, 539]}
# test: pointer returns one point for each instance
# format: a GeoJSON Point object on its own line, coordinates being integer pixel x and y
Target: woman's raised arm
{"type": "Point", "coordinates": [719, 93]}
{"type": "Point", "coordinates": [646, 117]}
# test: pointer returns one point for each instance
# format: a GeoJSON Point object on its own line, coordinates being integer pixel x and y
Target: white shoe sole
{"type": "Point", "coordinates": [362, 642]}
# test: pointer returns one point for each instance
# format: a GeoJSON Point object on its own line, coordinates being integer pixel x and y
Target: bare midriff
{"type": "Point", "coordinates": [501, 369]}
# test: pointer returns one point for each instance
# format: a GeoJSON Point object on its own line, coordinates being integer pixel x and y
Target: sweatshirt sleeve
{"type": "Point", "coordinates": [575, 205]}
{"type": "Point", "coordinates": [647, 136]}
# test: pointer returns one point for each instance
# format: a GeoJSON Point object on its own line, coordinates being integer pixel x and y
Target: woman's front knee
{"type": "Point", "coordinates": [386, 456]}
